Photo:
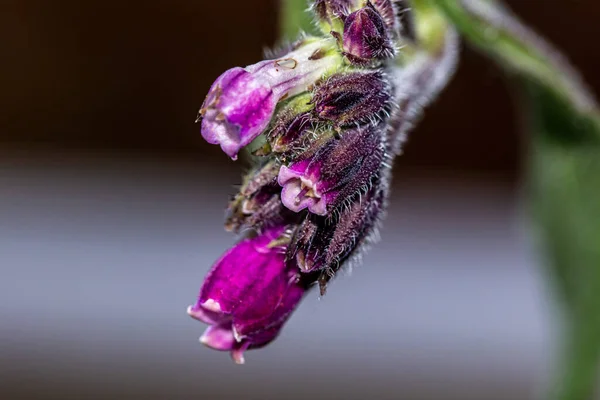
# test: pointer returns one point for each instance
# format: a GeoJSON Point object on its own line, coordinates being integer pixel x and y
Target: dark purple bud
{"type": "Point", "coordinates": [324, 244]}
{"type": "Point", "coordinates": [353, 97]}
{"type": "Point", "coordinates": [259, 177]}
{"type": "Point", "coordinates": [366, 36]}
{"type": "Point", "coordinates": [241, 102]}
{"type": "Point", "coordinates": [258, 204]}
{"type": "Point", "coordinates": [248, 295]}
{"type": "Point", "coordinates": [290, 131]}
{"type": "Point", "coordinates": [386, 9]}
{"type": "Point", "coordinates": [336, 171]}
{"type": "Point", "coordinates": [260, 210]}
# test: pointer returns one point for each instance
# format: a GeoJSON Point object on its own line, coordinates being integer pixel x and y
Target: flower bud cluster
{"type": "Point", "coordinates": [319, 117]}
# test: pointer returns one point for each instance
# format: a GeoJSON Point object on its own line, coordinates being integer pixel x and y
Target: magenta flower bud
{"type": "Point", "coordinates": [366, 36]}
{"type": "Point", "coordinates": [387, 10]}
{"type": "Point", "coordinates": [248, 295]}
{"type": "Point", "coordinates": [353, 97]}
{"type": "Point", "coordinates": [241, 102]}
{"type": "Point", "coordinates": [336, 171]}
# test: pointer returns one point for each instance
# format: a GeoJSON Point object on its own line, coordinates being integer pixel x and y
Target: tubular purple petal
{"type": "Point", "coordinates": [238, 108]}
{"type": "Point", "coordinates": [248, 295]}
{"type": "Point", "coordinates": [241, 102]}
{"type": "Point", "coordinates": [219, 337]}
{"type": "Point", "coordinates": [338, 169]}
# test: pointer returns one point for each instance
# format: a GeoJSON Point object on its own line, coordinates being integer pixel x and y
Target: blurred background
{"type": "Point", "coordinates": [111, 211]}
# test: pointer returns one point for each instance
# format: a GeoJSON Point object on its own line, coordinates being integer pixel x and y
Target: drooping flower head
{"type": "Point", "coordinates": [326, 117]}
{"type": "Point", "coordinates": [248, 295]}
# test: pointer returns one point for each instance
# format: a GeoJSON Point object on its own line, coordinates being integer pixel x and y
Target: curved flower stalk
{"type": "Point", "coordinates": [329, 117]}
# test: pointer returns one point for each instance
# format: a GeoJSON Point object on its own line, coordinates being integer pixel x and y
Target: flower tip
{"type": "Point", "coordinates": [212, 305]}
{"type": "Point", "coordinates": [204, 340]}
{"type": "Point", "coordinates": [304, 263]}
{"type": "Point", "coordinates": [196, 313]}
{"type": "Point", "coordinates": [218, 337]}
{"type": "Point", "coordinates": [238, 357]}
{"type": "Point", "coordinates": [190, 311]}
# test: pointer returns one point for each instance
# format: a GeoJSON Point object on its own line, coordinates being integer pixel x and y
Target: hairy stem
{"type": "Point", "coordinates": [500, 34]}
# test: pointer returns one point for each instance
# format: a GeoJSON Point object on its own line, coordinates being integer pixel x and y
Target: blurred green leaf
{"type": "Point", "coordinates": [564, 163]}
{"type": "Point", "coordinates": [565, 183]}
{"type": "Point", "coordinates": [294, 19]}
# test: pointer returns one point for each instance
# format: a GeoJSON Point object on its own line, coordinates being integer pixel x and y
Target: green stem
{"type": "Point", "coordinates": [579, 367]}
{"type": "Point", "coordinates": [501, 35]}
{"type": "Point", "coordinates": [294, 19]}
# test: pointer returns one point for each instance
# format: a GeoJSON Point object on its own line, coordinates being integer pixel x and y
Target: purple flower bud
{"type": "Point", "coordinates": [248, 295]}
{"type": "Point", "coordinates": [353, 97]}
{"type": "Point", "coordinates": [387, 10]}
{"type": "Point", "coordinates": [323, 244]}
{"type": "Point", "coordinates": [258, 204]}
{"type": "Point", "coordinates": [366, 36]}
{"type": "Point", "coordinates": [336, 171]}
{"type": "Point", "coordinates": [290, 131]}
{"type": "Point", "coordinates": [242, 101]}
{"type": "Point", "coordinates": [259, 210]}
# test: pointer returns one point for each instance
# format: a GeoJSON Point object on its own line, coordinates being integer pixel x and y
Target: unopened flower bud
{"type": "Point", "coordinates": [258, 204]}
{"type": "Point", "coordinates": [323, 244]}
{"type": "Point", "coordinates": [366, 36]}
{"type": "Point", "coordinates": [241, 102]}
{"type": "Point", "coordinates": [291, 125]}
{"type": "Point", "coordinates": [387, 10]}
{"type": "Point", "coordinates": [336, 171]}
{"type": "Point", "coordinates": [353, 97]}
{"type": "Point", "coordinates": [248, 295]}
{"type": "Point", "coordinates": [290, 131]}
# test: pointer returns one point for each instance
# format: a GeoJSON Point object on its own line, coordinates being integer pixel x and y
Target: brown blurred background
{"type": "Point", "coordinates": [111, 208]}
{"type": "Point", "coordinates": [132, 75]}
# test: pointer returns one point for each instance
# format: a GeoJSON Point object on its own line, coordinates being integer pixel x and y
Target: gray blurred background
{"type": "Point", "coordinates": [111, 211]}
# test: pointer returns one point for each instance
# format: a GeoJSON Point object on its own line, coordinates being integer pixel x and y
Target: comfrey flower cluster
{"type": "Point", "coordinates": [325, 119]}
